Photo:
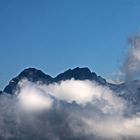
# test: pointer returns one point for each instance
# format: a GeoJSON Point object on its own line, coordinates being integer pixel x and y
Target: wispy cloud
{"type": "Point", "coordinates": [131, 66]}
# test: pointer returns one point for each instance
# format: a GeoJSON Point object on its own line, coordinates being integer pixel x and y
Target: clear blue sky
{"type": "Point", "coordinates": [54, 35]}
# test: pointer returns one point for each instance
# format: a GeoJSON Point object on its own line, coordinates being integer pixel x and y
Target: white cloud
{"type": "Point", "coordinates": [31, 98]}
{"type": "Point", "coordinates": [84, 92]}
{"type": "Point", "coordinates": [131, 64]}
{"type": "Point", "coordinates": [99, 112]}
{"type": "Point", "coordinates": [116, 127]}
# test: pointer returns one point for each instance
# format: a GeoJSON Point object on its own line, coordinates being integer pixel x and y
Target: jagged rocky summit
{"type": "Point", "coordinates": [35, 75]}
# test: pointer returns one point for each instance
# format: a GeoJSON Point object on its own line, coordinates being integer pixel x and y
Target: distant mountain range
{"type": "Point", "coordinates": [129, 90]}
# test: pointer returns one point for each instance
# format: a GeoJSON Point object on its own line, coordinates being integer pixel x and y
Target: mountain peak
{"type": "Point", "coordinates": [30, 74]}
{"type": "Point", "coordinates": [84, 70]}
{"type": "Point", "coordinates": [35, 75]}
{"type": "Point", "coordinates": [76, 73]}
{"type": "Point", "coordinates": [79, 74]}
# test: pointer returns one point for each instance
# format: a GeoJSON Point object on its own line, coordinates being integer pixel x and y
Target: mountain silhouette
{"type": "Point", "coordinates": [35, 75]}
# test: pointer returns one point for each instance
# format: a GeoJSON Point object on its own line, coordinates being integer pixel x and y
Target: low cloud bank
{"type": "Point", "coordinates": [33, 98]}
{"type": "Point", "coordinates": [71, 110]}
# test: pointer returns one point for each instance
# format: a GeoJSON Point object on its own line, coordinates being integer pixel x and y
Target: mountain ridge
{"type": "Point", "coordinates": [35, 75]}
{"type": "Point", "coordinates": [130, 91]}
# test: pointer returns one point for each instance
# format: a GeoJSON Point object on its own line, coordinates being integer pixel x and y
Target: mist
{"type": "Point", "coordinates": [131, 65]}
{"type": "Point", "coordinates": [71, 110]}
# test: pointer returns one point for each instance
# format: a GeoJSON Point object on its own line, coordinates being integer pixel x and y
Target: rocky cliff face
{"type": "Point", "coordinates": [30, 74]}
{"type": "Point", "coordinates": [35, 75]}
